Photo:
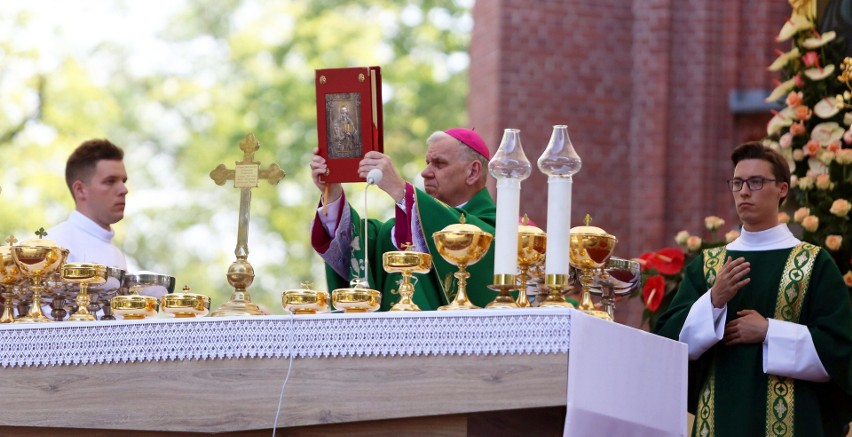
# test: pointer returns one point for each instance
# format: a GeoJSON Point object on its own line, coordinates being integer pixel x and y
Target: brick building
{"type": "Point", "coordinates": [655, 93]}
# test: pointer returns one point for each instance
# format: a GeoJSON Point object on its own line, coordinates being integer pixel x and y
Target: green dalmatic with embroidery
{"type": "Point", "coordinates": [729, 393]}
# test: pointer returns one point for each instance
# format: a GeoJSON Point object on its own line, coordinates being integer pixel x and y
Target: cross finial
{"type": "Point", "coordinates": [41, 233]}
{"type": "Point", "coordinates": [525, 219]}
{"type": "Point", "coordinates": [588, 219]}
{"type": "Point", "coordinates": [11, 240]}
{"type": "Point", "coordinates": [462, 219]}
{"type": "Point", "coordinates": [407, 246]}
{"type": "Point", "coordinates": [307, 285]}
{"type": "Point", "coordinates": [186, 289]}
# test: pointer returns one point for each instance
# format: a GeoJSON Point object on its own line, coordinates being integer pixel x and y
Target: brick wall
{"type": "Point", "coordinates": [643, 86]}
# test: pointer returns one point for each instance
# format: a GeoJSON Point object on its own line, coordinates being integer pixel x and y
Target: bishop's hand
{"type": "Point", "coordinates": [319, 169]}
{"type": "Point", "coordinates": [390, 182]}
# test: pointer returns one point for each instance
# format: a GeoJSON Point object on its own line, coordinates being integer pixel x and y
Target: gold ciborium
{"type": "Point", "coordinates": [305, 300]}
{"type": "Point", "coordinates": [10, 275]}
{"type": "Point", "coordinates": [37, 259]}
{"type": "Point", "coordinates": [358, 298]}
{"type": "Point", "coordinates": [461, 245]}
{"type": "Point", "coordinates": [133, 306]}
{"type": "Point", "coordinates": [532, 245]}
{"type": "Point", "coordinates": [406, 262]}
{"type": "Point", "coordinates": [83, 274]}
{"type": "Point", "coordinates": [591, 247]}
{"type": "Point", "coordinates": [185, 304]}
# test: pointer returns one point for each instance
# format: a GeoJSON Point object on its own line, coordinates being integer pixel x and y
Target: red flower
{"type": "Point", "coordinates": [653, 291]}
{"type": "Point", "coordinates": [646, 260]}
{"type": "Point", "coordinates": [668, 261]}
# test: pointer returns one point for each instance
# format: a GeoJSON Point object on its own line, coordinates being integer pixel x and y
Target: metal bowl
{"type": "Point", "coordinates": [152, 284]}
{"type": "Point", "coordinates": [356, 300]}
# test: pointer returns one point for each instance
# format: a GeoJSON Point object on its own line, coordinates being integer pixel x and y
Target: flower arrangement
{"type": "Point", "coordinates": [662, 271]}
{"type": "Point", "coordinates": [812, 131]}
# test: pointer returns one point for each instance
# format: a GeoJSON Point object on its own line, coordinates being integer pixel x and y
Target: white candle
{"type": "Point", "coordinates": [506, 230]}
{"type": "Point", "coordinates": [558, 225]}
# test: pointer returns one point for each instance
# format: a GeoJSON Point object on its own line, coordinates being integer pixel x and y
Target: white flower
{"type": "Point", "coordinates": [712, 222]}
{"type": "Point", "coordinates": [825, 133]}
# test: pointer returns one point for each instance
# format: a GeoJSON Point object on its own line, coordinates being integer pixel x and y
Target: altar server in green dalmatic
{"type": "Point", "coordinates": [454, 180]}
{"type": "Point", "coordinates": [767, 319]}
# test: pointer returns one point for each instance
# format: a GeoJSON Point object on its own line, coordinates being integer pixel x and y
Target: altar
{"type": "Point", "coordinates": [452, 373]}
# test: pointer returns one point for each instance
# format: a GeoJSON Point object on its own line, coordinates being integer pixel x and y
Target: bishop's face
{"type": "Point", "coordinates": [758, 209]}
{"type": "Point", "coordinates": [447, 170]}
{"type": "Point", "coordinates": [102, 197]}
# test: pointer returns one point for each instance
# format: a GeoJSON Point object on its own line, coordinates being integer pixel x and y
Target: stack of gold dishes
{"type": "Point", "coordinates": [37, 259]}
{"type": "Point", "coordinates": [358, 298]}
{"type": "Point", "coordinates": [305, 300]}
{"type": "Point", "coordinates": [406, 262]}
{"type": "Point", "coordinates": [185, 304]}
{"type": "Point", "coordinates": [135, 306]}
{"type": "Point", "coordinates": [83, 274]}
{"type": "Point", "coordinates": [462, 244]}
{"type": "Point", "coordinates": [591, 247]}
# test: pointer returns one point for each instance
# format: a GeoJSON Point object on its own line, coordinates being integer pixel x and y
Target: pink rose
{"type": "Point", "coordinates": [783, 217]}
{"type": "Point", "coordinates": [801, 213]}
{"type": "Point", "coordinates": [731, 235]}
{"type": "Point", "coordinates": [847, 278]}
{"type": "Point", "coordinates": [823, 182]}
{"type": "Point", "coordinates": [810, 223]}
{"type": "Point", "coordinates": [786, 140]}
{"type": "Point", "coordinates": [681, 237]}
{"type": "Point", "coordinates": [803, 113]}
{"type": "Point", "coordinates": [840, 207]}
{"type": "Point", "coordinates": [693, 243]}
{"type": "Point", "coordinates": [844, 157]}
{"type": "Point", "coordinates": [798, 155]}
{"type": "Point", "coordinates": [847, 137]}
{"type": "Point", "coordinates": [712, 222]}
{"type": "Point", "coordinates": [833, 242]}
{"type": "Point", "coordinates": [794, 99]}
{"type": "Point", "coordinates": [812, 148]}
{"type": "Point", "coordinates": [833, 146]}
{"type": "Point", "coordinates": [797, 129]}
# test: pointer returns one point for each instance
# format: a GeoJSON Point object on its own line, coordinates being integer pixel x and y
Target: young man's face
{"type": "Point", "coordinates": [758, 209]}
{"type": "Point", "coordinates": [446, 172]}
{"type": "Point", "coordinates": [102, 197]}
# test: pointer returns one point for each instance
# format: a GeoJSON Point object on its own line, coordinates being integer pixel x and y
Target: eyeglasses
{"type": "Point", "coordinates": [754, 183]}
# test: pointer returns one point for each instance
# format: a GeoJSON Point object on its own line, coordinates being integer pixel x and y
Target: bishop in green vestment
{"type": "Point", "coordinates": [454, 181]}
{"type": "Point", "coordinates": [767, 320]}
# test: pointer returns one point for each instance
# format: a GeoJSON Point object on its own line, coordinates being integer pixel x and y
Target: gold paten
{"type": "Point", "coordinates": [305, 300]}
{"type": "Point", "coordinates": [133, 306]}
{"type": "Point", "coordinates": [185, 304]}
{"type": "Point", "coordinates": [83, 274]}
{"type": "Point", "coordinates": [461, 245]}
{"type": "Point", "coordinates": [36, 259]}
{"type": "Point", "coordinates": [359, 298]}
{"type": "Point", "coordinates": [10, 275]}
{"type": "Point", "coordinates": [590, 249]}
{"type": "Point", "coordinates": [246, 176]}
{"type": "Point", "coordinates": [406, 262]}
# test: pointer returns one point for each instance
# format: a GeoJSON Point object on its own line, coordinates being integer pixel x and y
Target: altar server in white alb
{"type": "Point", "coordinates": [96, 177]}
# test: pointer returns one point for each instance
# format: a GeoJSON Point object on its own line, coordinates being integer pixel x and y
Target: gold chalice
{"type": "Point", "coordinates": [83, 274]}
{"type": "Point", "coordinates": [358, 298]}
{"type": "Point", "coordinates": [406, 262]}
{"type": "Point", "coordinates": [10, 275]}
{"type": "Point", "coordinates": [461, 245]}
{"type": "Point", "coordinates": [37, 259]}
{"type": "Point", "coordinates": [305, 300]}
{"type": "Point", "coordinates": [532, 245]}
{"type": "Point", "coordinates": [591, 247]}
{"type": "Point", "coordinates": [185, 304]}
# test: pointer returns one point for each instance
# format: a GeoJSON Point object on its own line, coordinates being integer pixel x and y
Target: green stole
{"type": "Point", "coordinates": [438, 286]}
{"type": "Point", "coordinates": [780, 395]}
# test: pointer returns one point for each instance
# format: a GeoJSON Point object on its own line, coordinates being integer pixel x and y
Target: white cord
{"type": "Point", "coordinates": [366, 239]}
{"type": "Point", "coordinates": [289, 368]}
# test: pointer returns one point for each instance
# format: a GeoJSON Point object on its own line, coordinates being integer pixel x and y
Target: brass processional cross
{"type": "Point", "coordinates": [246, 176]}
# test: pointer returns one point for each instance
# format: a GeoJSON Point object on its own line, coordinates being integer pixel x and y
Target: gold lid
{"type": "Point", "coordinates": [525, 228]}
{"type": "Point", "coordinates": [461, 226]}
{"type": "Point", "coordinates": [588, 229]}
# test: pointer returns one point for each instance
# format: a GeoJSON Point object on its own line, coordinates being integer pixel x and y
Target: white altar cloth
{"type": "Point", "coordinates": [481, 332]}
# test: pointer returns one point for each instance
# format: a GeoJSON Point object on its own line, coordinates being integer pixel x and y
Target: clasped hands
{"type": "Point", "coordinates": [750, 326]}
{"type": "Point", "coordinates": [391, 182]}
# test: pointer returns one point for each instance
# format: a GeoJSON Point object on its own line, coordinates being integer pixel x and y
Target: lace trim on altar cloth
{"type": "Point", "coordinates": [480, 332]}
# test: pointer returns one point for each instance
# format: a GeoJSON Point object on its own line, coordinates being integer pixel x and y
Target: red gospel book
{"type": "Point", "coordinates": [349, 118]}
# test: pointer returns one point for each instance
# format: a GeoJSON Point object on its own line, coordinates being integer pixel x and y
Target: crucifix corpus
{"type": "Point", "coordinates": [246, 176]}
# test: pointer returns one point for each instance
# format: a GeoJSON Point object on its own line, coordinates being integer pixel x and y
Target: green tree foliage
{"type": "Point", "coordinates": [215, 72]}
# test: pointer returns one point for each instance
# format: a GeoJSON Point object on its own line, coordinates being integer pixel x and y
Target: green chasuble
{"type": "Point", "coordinates": [727, 385]}
{"type": "Point", "coordinates": [432, 290]}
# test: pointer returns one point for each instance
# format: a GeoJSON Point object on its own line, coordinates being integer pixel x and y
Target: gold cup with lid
{"type": "Point", "coordinates": [462, 244]}
{"type": "Point", "coordinates": [135, 306]}
{"type": "Point", "coordinates": [358, 298]}
{"type": "Point", "coordinates": [406, 262]}
{"type": "Point", "coordinates": [305, 300]}
{"type": "Point", "coordinates": [10, 275]}
{"type": "Point", "coordinates": [184, 304]}
{"type": "Point", "coordinates": [591, 248]}
{"type": "Point", "coordinates": [38, 258]}
{"type": "Point", "coordinates": [532, 245]}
